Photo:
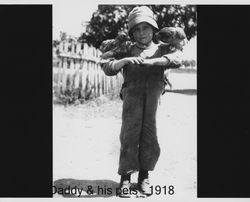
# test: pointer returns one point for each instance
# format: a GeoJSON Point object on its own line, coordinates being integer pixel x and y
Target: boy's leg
{"type": "Point", "coordinates": [130, 130]}
{"type": "Point", "coordinates": [143, 174]}
{"type": "Point", "coordinates": [129, 137]}
{"type": "Point", "coordinates": [149, 147]}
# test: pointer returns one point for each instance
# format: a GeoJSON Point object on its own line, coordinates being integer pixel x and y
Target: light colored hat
{"type": "Point", "coordinates": [141, 14]}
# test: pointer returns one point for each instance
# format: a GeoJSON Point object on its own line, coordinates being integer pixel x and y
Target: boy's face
{"type": "Point", "coordinates": [143, 33]}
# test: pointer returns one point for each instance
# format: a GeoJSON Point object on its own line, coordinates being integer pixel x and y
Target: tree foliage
{"type": "Point", "coordinates": [108, 20]}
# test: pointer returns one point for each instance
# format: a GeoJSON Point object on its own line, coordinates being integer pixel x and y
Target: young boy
{"type": "Point", "coordinates": [171, 39]}
{"type": "Point", "coordinates": [143, 71]}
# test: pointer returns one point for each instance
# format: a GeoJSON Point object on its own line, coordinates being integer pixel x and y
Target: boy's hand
{"type": "Point", "coordinates": [134, 60]}
{"type": "Point", "coordinates": [161, 61]}
{"type": "Point", "coordinates": [119, 64]}
{"type": "Point", "coordinates": [148, 62]}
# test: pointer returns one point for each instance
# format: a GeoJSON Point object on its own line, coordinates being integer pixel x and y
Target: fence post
{"type": "Point", "coordinates": [98, 74]}
{"type": "Point", "coordinates": [84, 73]}
{"type": "Point", "coordinates": [64, 75]}
{"type": "Point", "coordinates": [61, 46]}
{"type": "Point", "coordinates": [78, 49]}
{"type": "Point", "coordinates": [71, 73]}
{"type": "Point", "coordinates": [105, 85]}
{"type": "Point", "coordinates": [76, 76]}
{"type": "Point", "coordinates": [59, 77]}
{"type": "Point", "coordinates": [66, 46]}
{"type": "Point", "coordinates": [81, 75]}
{"type": "Point", "coordinates": [95, 72]}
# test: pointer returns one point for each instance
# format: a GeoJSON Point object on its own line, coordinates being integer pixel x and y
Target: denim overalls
{"type": "Point", "coordinates": [142, 88]}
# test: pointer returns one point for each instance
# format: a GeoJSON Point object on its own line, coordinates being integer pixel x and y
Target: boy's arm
{"type": "Point", "coordinates": [112, 67]}
{"type": "Point", "coordinates": [171, 60]}
{"type": "Point", "coordinates": [175, 59]}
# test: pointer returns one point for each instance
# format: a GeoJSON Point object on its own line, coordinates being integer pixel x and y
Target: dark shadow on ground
{"type": "Point", "coordinates": [183, 91]}
{"type": "Point", "coordinates": [99, 188]}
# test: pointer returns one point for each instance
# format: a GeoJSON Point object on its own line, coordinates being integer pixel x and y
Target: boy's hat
{"type": "Point", "coordinates": [141, 14]}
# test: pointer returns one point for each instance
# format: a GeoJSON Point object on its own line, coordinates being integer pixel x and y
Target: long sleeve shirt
{"type": "Point", "coordinates": [149, 72]}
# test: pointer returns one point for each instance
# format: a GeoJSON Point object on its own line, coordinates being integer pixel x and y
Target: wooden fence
{"type": "Point", "coordinates": [76, 69]}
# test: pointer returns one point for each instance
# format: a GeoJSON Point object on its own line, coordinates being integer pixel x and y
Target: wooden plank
{"type": "Point", "coordinates": [77, 74]}
{"type": "Point", "coordinates": [98, 80]}
{"type": "Point", "coordinates": [80, 75]}
{"type": "Point", "coordinates": [89, 73]}
{"type": "Point", "coordinates": [105, 85]}
{"type": "Point", "coordinates": [95, 79]}
{"type": "Point", "coordinates": [101, 81]}
{"type": "Point", "coordinates": [99, 74]}
{"type": "Point", "coordinates": [85, 50]}
{"type": "Point", "coordinates": [95, 73]}
{"type": "Point", "coordinates": [102, 77]}
{"type": "Point", "coordinates": [71, 73]}
{"type": "Point", "coordinates": [84, 74]}
{"type": "Point", "coordinates": [64, 75]}
{"type": "Point", "coordinates": [59, 78]}
{"type": "Point", "coordinates": [78, 48]}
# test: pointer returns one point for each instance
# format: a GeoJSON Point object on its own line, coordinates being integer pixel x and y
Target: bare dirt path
{"type": "Point", "coordinates": [86, 143]}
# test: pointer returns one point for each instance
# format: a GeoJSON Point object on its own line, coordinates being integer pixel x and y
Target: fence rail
{"type": "Point", "coordinates": [76, 70]}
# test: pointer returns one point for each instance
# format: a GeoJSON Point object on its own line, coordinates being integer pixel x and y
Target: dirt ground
{"type": "Point", "coordinates": [86, 144]}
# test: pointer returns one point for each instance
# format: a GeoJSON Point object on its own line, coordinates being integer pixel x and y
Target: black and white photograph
{"type": "Point", "coordinates": [133, 100]}
{"type": "Point", "coordinates": [124, 100]}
